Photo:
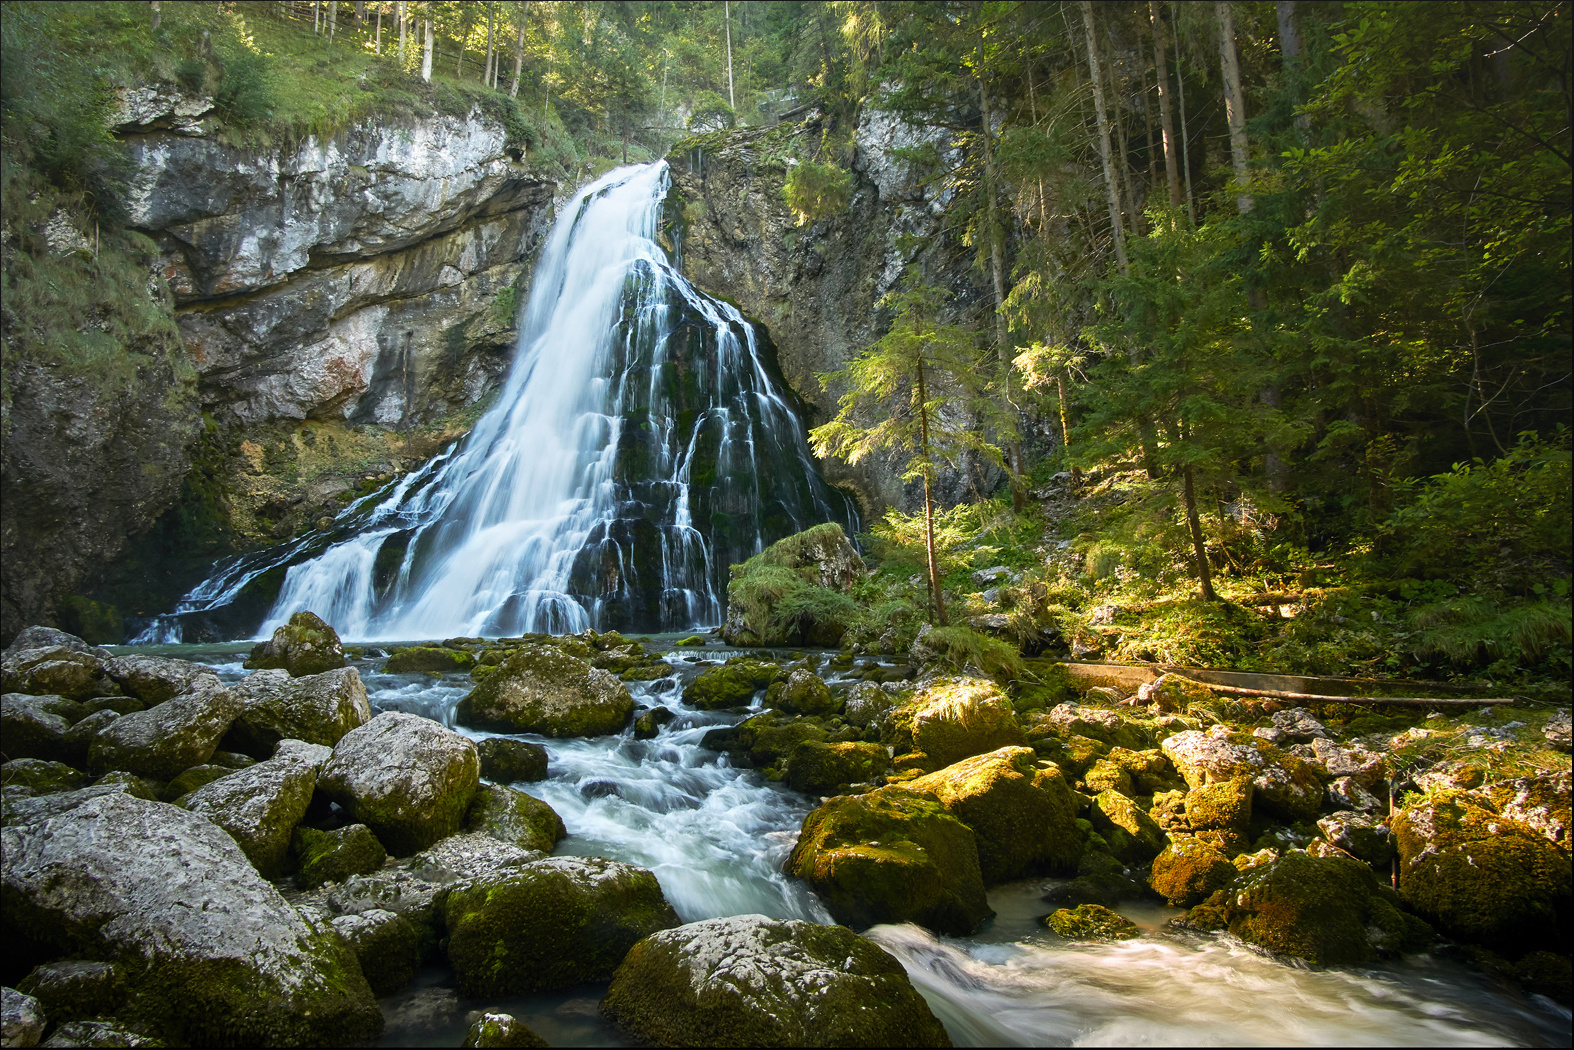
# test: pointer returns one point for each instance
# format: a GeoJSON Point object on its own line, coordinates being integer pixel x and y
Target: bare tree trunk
{"type": "Point", "coordinates": [426, 59]}
{"type": "Point", "coordinates": [1290, 49]}
{"type": "Point", "coordinates": [360, 13]}
{"type": "Point", "coordinates": [1166, 118]}
{"type": "Point", "coordinates": [491, 54]}
{"type": "Point", "coordinates": [404, 25]}
{"type": "Point", "coordinates": [333, 18]}
{"type": "Point", "coordinates": [377, 46]}
{"type": "Point", "coordinates": [935, 593]}
{"type": "Point", "coordinates": [316, 17]}
{"type": "Point", "coordinates": [727, 14]}
{"type": "Point", "coordinates": [1204, 574]}
{"type": "Point", "coordinates": [1111, 192]}
{"type": "Point", "coordinates": [519, 51]}
{"type": "Point", "coordinates": [157, 14]}
{"type": "Point", "coordinates": [1180, 89]}
{"type": "Point", "coordinates": [1234, 102]}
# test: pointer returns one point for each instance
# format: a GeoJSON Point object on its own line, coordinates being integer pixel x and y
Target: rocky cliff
{"type": "Point", "coordinates": [341, 305]}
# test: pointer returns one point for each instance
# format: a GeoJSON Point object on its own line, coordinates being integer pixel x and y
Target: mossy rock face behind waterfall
{"type": "Point", "coordinates": [541, 689]}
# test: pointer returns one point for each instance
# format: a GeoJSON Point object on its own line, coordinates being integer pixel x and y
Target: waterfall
{"type": "Point", "coordinates": [639, 446]}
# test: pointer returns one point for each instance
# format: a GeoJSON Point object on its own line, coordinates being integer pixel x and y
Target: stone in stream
{"type": "Point", "coordinates": [260, 806]}
{"type": "Point", "coordinates": [748, 980]}
{"type": "Point", "coordinates": [541, 689]}
{"type": "Point", "coordinates": [305, 645]}
{"type": "Point", "coordinates": [495, 1029]}
{"type": "Point", "coordinates": [732, 684]}
{"type": "Point", "coordinates": [1091, 922]}
{"type": "Point", "coordinates": [167, 738]}
{"type": "Point", "coordinates": [1022, 812]}
{"type": "Point", "coordinates": [955, 719]}
{"type": "Point", "coordinates": [315, 708]}
{"type": "Point", "coordinates": [505, 761]}
{"type": "Point", "coordinates": [1189, 870]}
{"type": "Point", "coordinates": [1131, 834]}
{"type": "Point", "coordinates": [554, 923]}
{"type": "Point", "coordinates": [429, 658]}
{"type": "Point", "coordinates": [648, 724]}
{"type": "Point", "coordinates": [818, 768]}
{"type": "Point", "coordinates": [407, 778]}
{"type": "Point", "coordinates": [514, 817]}
{"type": "Point", "coordinates": [388, 946]}
{"type": "Point", "coordinates": [805, 693]}
{"type": "Point", "coordinates": [101, 873]}
{"type": "Point", "coordinates": [892, 855]}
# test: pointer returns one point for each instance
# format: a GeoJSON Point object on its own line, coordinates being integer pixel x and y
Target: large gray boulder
{"type": "Point", "coordinates": [167, 738]}
{"type": "Point", "coordinates": [36, 726]}
{"type": "Point", "coordinates": [1284, 785]}
{"type": "Point", "coordinates": [512, 816]}
{"type": "Point", "coordinates": [407, 778]}
{"type": "Point", "coordinates": [261, 805]}
{"type": "Point", "coordinates": [316, 708]}
{"type": "Point", "coordinates": [21, 1019]}
{"type": "Point", "coordinates": [154, 679]}
{"type": "Point", "coordinates": [541, 689]}
{"type": "Point", "coordinates": [215, 953]}
{"type": "Point", "coordinates": [752, 981]}
{"type": "Point", "coordinates": [60, 670]}
{"type": "Point", "coordinates": [50, 638]}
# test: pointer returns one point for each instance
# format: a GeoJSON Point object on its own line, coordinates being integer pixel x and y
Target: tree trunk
{"type": "Point", "coordinates": [1290, 50]}
{"type": "Point", "coordinates": [1204, 574]}
{"type": "Point", "coordinates": [1234, 102]}
{"type": "Point", "coordinates": [316, 17]}
{"type": "Point", "coordinates": [519, 51]}
{"type": "Point", "coordinates": [1166, 118]}
{"type": "Point", "coordinates": [377, 43]}
{"type": "Point", "coordinates": [490, 78]}
{"type": "Point", "coordinates": [1180, 91]}
{"type": "Point", "coordinates": [426, 58]}
{"type": "Point", "coordinates": [1111, 192]}
{"type": "Point", "coordinates": [157, 14]}
{"type": "Point", "coordinates": [727, 14]}
{"type": "Point", "coordinates": [333, 19]}
{"type": "Point", "coordinates": [404, 24]}
{"type": "Point", "coordinates": [360, 13]}
{"type": "Point", "coordinates": [935, 594]}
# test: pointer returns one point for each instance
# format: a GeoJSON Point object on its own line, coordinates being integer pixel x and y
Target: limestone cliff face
{"type": "Point", "coordinates": [817, 288]}
{"type": "Point", "coordinates": [341, 306]}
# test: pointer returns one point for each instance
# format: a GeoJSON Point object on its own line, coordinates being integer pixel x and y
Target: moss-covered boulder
{"type": "Point", "coordinates": [732, 684]}
{"type": "Point", "coordinates": [769, 737]}
{"type": "Point", "coordinates": [167, 738]}
{"type": "Point", "coordinates": [1285, 786]}
{"type": "Point", "coordinates": [794, 591]}
{"type": "Point", "coordinates": [1133, 836]}
{"type": "Point", "coordinates": [1022, 812]}
{"type": "Point", "coordinates": [505, 761]}
{"type": "Point", "coordinates": [389, 946]}
{"type": "Point", "coordinates": [514, 817]}
{"type": "Point", "coordinates": [867, 704]}
{"type": "Point", "coordinates": [305, 645]}
{"type": "Point", "coordinates": [1481, 876]}
{"type": "Point", "coordinates": [648, 723]}
{"type": "Point", "coordinates": [805, 693]}
{"type": "Point", "coordinates": [333, 856]}
{"type": "Point", "coordinates": [214, 953]}
{"type": "Point", "coordinates": [316, 708]}
{"type": "Point", "coordinates": [260, 806]}
{"type": "Point", "coordinates": [824, 769]}
{"type": "Point", "coordinates": [752, 981]}
{"type": "Point", "coordinates": [1188, 871]}
{"type": "Point", "coordinates": [1362, 835]}
{"type": "Point", "coordinates": [154, 679]}
{"type": "Point", "coordinates": [1544, 802]}
{"type": "Point", "coordinates": [191, 779]}
{"type": "Point", "coordinates": [37, 726]}
{"type": "Point", "coordinates": [1327, 910]}
{"type": "Point", "coordinates": [1069, 719]}
{"type": "Point", "coordinates": [1222, 806]}
{"type": "Point", "coordinates": [556, 923]}
{"type": "Point", "coordinates": [497, 1029]}
{"type": "Point", "coordinates": [1100, 879]}
{"type": "Point", "coordinates": [541, 689]}
{"type": "Point", "coordinates": [75, 674]}
{"type": "Point", "coordinates": [40, 776]}
{"type": "Point", "coordinates": [429, 658]}
{"type": "Point", "coordinates": [955, 719]}
{"type": "Point", "coordinates": [76, 989]}
{"type": "Point", "coordinates": [892, 855]}
{"type": "Point", "coordinates": [1091, 922]}
{"type": "Point", "coordinates": [407, 778]}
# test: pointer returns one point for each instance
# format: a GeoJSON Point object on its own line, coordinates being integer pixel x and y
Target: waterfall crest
{"type": "Point", "coordinates": [639, 446]}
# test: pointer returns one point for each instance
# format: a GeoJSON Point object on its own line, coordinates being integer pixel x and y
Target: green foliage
{"type": "Point", "coordinates": [962, 646]}
{"type": "Point", "coordinates": [816, 191]}
{"type": "Point", "coordinates": [245, 94]}
{"type": "Point", "coordinates": [710, 112]}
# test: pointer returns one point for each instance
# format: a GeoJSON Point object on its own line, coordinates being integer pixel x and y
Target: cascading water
{"type": "Point", "coordinates": [639, 447]}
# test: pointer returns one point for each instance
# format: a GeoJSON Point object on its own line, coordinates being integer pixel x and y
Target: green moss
{"type": "Point", "coordinates": [732, 684]}
{"type": "Point", "coordinates": [770, 736]}
{"type": "Point", "coordinates": [1091, 922]}
{"type": "Point", "coordinates": [779, 593]}
{"type": "Point", "coordinates": [514, 817]}
{"type": "Point", "coordinates": [428, 658]}
{"type": "Point", "coordinates": [823, 769]}
{"type": "Point", "coordinates": [1133, 836]}
{"type": "Point", "coordinates": [1188, 871]}
{"type": "Point", "coordinates": [333, 856]}
{"type": "Point", "coordinates": [544, 689]}
{"type": "Point", "coordinates": [306, 645]}
{"type": "Point", "coordinates": [951, 721]}
{"type": "Point", "coordinates": [693, 639]}
{"type": "Point", "coordinates": [1225, 806]}
{"type": "Point", "coordinates": [43, 777]}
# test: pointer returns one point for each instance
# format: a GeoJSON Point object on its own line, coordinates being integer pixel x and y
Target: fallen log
{"type": "Point", "coordinates": [1316, 698]}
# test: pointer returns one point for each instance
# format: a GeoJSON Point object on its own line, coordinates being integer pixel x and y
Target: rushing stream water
{"type": "Point", "coordinates": [716, 837]}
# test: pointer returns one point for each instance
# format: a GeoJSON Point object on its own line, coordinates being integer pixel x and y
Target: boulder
{"type": "Point", "coordinates": [388, 946]}
{"type": "Point", "coordinates": [867, 704]}
{"type": "Point", "coordinates": [191, 779]}
{"type": "Point", "coordinates": [805, 693]}
{"type": "Point", "coordinates": [495, 1029]}
{"type": "Point", "coordinates": [167, 738]}
{"type": "Point", "coordinates": [1327, 910]}
{"type": "Point", "coordinates": [1068, 720]}
{"type": "Point", "coordinates": [333, 856]}
{"type": "Point", "coordinates": [59, 671]}
{"type": "Point", "coordinates": [1222, 806]}
{"type": "Point", "coordinates": [154, 679]}
{"type": "Point", "coordinates": [748, 980]}
{"type": "Point", "coordinates": [50, 638]}
{"type": "Point", "coordinates": [315, 708]}
{"type": "Point", "coordinates": [1188, 871]}
{"type": "Point", "coordinates": [22, 1018]}
{"type": "Point", "coordinates": [1133, 836]}
{"type": "Point", "coordinates": [43, 778]}
{"type": "Point", "coordinates": [956, 719]}
{"type": "Point", "coordinates": [79, 738]}
{"type": "Point", "coordinates": [648, 723]}
{"type": "Point", "coordinates": [818, 768]}
{"type": "Point", "coordinates": [104, 874]}
{"type": "Point", "coordinates": [1284, 785]}
{"type": "Point", "coordinates": [732, 684]}
{"type": "Point", "coordinates": [36, 726]}
{"type": "Point", "coordinates": [1091, 922]}
{"type": "Point", "coordinates": [1541, 802]}
{"type": "Point", "coordinates": [514, 817]}
{"type": "Point", "coordinates": [1481, 876]}
{"type": "Point", "coordinates": [541, 689]}
{"type": "Point", "coordinates": [407, 778]}
{"type": "Point", "coordinates": [1022, 812]}
{"type": "Point", "coordinates": [429, 658]}
{"type": "Point", "coordinates": [505, 761]}
{"type": "Point", "coordinates": [793, 592]}
{"type": "Point", "coordinates": [260, 806]}
{"type": "Point", "coordinates": [892, 855]}
{"type": "Point", "coordinates": [1362, 835]}
{"type": "Point", "coordinates": [555, 923]}
{"type": "Point", "coordinates": [99, 1033]}
{"type": "Point", "coordinates": [76, 989]}
{"type": "Point", "coordinates": [305, 645]}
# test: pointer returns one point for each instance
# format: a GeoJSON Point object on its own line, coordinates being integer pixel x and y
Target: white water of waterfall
{"type": "Point", "coordinates": [639, 446]}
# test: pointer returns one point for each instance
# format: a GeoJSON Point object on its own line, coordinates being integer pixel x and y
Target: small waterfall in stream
{"type": "Point", "coordinates": [639, 446]}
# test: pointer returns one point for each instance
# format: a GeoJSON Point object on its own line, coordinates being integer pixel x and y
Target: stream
{"type": "Point", "coordinates": [716, 837]}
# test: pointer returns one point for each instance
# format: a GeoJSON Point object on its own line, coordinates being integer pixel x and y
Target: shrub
{"type": "Point", "coordinates": [817, 191]}
{"type": "Point", "coordinates": [711, 113]}
{"type": "Point", "coordinates": [245, 94]}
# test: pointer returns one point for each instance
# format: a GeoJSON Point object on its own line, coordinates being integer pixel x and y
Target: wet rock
{"type": "Point", "coordinates": [388, 946]}
{"type": "Point", "coordinates": [260, 806]}
{"type": "Point", "coordinates": [867, 704]}
{"type": "Point", "coordinates": [76, 989]}
{"type": "Point", "coordinates": [154, 679]}
{"type": "Point", "coordinates": [191, 779]}
{"type": "Point", "coordinates": [305, 645]}
{"type": "Point", "coordinates": [1101, 879]}
{"type": "Point", "coordinates": [43, 778]}
{"type": "Point", "coordinates": [1091, 922]}
{"type": "Point", "coordinates": [824, 769]}
{"type": "Point", "coordinates": [1133, 836]}
{"type": "Point", "coordinates": [36, 726]}
{"type": "Point", "coordinates": [317, 708]}
{"type": "Point", "coordinates": [1478, 875]}
{"type": "Point", "coordinates": [429, 658]}
{"type": "Point", "coordinates": [1022, 812]}
{"type": "Point", "coordinates": [407, 778]}
{"type": "Point", "coordinates": [333, 856]}
{"type": "Point", "coordinates": [1188, 871]}
{"type": "Point", "coordinates": [771, 736]}
{"type": "Point", "coordinates": [732, 684]}
{"type": "Point", "coordinates": [649, 723]}
{"type": "Point", "coordinates": [505, 761]}
{"type": "Point", "coordinates": [555, 923]}
{"type": "Point", "coordinates": [892, 855]}
{"type": "Point", "coordinates": [1285, 785]}
{"type": "Point", "coordinates": [805, 693]}
{"type": "Point", "coordinates": [956, 719]}
{"type": "Point", "coordinates": [1542, 802]}
{"type": "Point", "coordinates": [1362, 835]}
{"type": "Point", "coordinates": [57, 670]}
{"type": "Point", "coordinates": [1326, 910]}
{"type": "Point", "coordinates": [167, 738]}
{"type": "Point", "coordinates": [752, 981]}
{"type": "Point", "coordinates": [101, 872]}
{"type": "Point", "coordinates": [21, 1019]}
{"type": "Point", "coordinates": [514, 817]}
{"type": "Point", "coordinates": [494, 1029]}
{"type": "Point", "coordinates": [541, 689]}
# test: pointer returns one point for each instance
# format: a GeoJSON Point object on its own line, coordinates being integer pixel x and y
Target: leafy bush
{"type": "Point", "coordinates": [962, 646]}
{"type": "Point", "coordinates": [245, 94]}
{"type": "Point", "coordinates": [817, 191]}
{"type": "Point", "coordinates": [711, 113]}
